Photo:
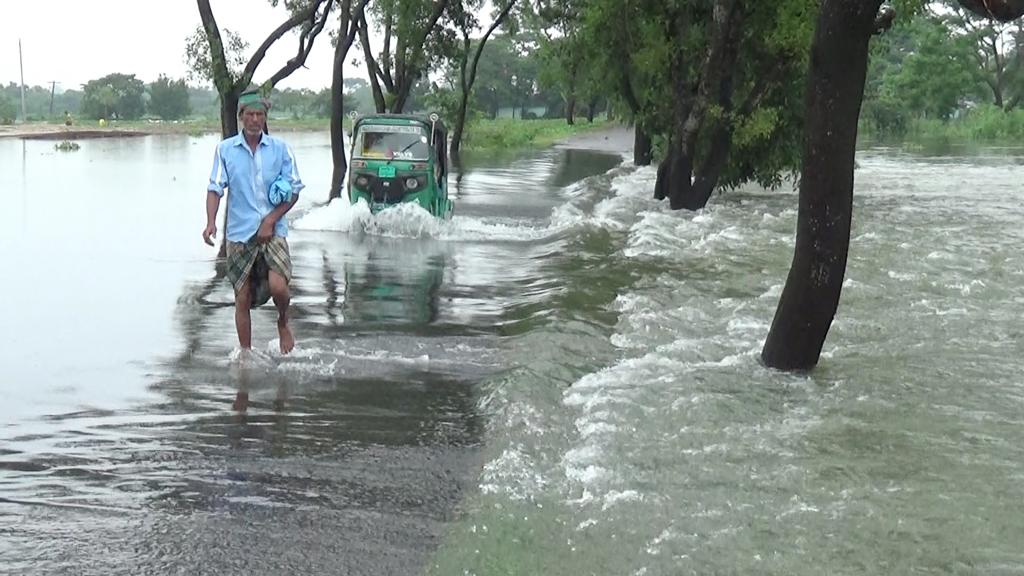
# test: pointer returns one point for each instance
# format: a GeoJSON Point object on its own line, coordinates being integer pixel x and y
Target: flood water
{"type": "Point", "coordinates": [563, 379]}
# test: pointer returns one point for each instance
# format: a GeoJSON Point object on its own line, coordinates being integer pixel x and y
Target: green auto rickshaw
{"type": "Point", "coordinates": [398, 158]}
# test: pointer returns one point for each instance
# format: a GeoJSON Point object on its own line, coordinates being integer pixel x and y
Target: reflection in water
{"type": "Point", "coordinates": [575, 165]}
{"type": "Point", "coordinates": [396, 281]}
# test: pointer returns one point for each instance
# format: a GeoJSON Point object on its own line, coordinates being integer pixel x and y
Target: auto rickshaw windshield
{"type": "Point", "coordinates": [392, 142]}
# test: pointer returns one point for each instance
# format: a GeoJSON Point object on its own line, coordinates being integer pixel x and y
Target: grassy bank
{"type": "Point", "coordinates": [981, 126]}
{"type": "Point", "coordinates": [509, 134]}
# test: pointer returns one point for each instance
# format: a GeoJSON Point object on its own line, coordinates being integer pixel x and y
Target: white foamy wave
{"type": "Point", "coordinates": [631, 195]}
{"type": "Point", "coordinates": [339, 216]}
{"type": "Point", "coordinates": [495, 230]}
{"type": "Point", "coordinates": [616, 497]}
{"type": "Point", "coordinates": [513, 475]}
{"type": "Point", "coordinates": [901, 276]}
{"type": "Point", "coordinates": [412, 221]}
{"type": "Point", "coordinates": [407, 220]}
{"type": "Point", "coordinates": [654, 235]}
{"type": "Point", "coordinates": [681, 235]}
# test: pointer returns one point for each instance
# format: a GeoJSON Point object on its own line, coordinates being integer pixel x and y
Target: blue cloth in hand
{"type": "Point", "coordinates": [280, 191]}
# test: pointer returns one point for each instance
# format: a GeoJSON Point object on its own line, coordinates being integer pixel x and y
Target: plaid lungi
{"type": "Point", "coordinates": [252, 261]}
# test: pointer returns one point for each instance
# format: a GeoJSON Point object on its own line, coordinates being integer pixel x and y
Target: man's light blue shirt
{"type": "Point", "coordinates": [248, 174]}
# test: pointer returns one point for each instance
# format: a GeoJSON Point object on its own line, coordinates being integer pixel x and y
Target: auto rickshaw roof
{"type": "Point", "coordinates": [399, 120]}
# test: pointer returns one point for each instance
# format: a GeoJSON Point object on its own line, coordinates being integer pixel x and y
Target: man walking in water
{"type": "Point", "coordinates": [263, 182]}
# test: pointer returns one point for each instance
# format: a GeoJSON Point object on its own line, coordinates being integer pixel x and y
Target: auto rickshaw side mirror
{"type": "Point", "coordinates": [352, 115]}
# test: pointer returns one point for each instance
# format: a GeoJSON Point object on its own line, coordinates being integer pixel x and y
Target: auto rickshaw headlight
{"type": "Point", "coordinates": [411, 183]}
{"type": "Point", "coordinates": [362, 181]}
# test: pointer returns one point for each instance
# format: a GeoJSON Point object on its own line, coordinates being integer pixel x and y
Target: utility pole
{"type": "Point", "coordinates": [53, 88]}
{"type": "Point", "coordinates": [21, 64]}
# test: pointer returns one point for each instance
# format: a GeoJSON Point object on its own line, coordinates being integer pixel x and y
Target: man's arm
{"type": "Point", "coordinates": [218, 182]}
{"type": "Point", "coordinates": [266, 231]}
{"type": "Point", "coordinates": [212, 205]}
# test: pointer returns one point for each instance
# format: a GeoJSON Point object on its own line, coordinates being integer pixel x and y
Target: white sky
{"type": "Point", "coordinates": [74, 41]}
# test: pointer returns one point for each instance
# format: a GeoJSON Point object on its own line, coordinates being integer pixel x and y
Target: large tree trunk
{"type": "Point", "coordinates": [835, 89]}
{"type": "Point", "coordinates": [402, 96]}
{"type": "Point", "coordinates": [455, 150]}
{"type": "Point", "coordinates": [675, 173]}
{"type": "Point", "coordinates": [720, 59]}
{"type": "Point", "coordinates": [710, 167]}
{"type": "Point", "coordinates": [229, 114]}
{"type": "Point", "coordinates": [642, 148]}
{"type": "Point", "coordinates": [671, 169]}
{"type": "Point", "coordinates": [570, 110]}
{"type": "Point", "coordinates": [340, 163]}
{"type": "Point", "coordinates": [348, 28]}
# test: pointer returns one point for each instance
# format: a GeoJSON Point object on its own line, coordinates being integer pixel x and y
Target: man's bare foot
{"type": "Point", "coordinates": [287, 340]}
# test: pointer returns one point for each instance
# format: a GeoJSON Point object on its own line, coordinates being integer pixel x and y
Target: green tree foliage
{"type": "Point", "coordinates": [930, 66]}
{"type": "Point", "coordinates": [169, 99]}
{"type": "Point", "coordinates": [215, 61]}
{"type": "Point", "coordinates": [43, 102]}
{"type": "Point", "coordinates": [200, 61]}
{"type": "Point", "coordinates": [565, 56]}
{"type": "Point", "coordinates": [412, 42]}
{"type": "Point", "coordinates": [203, 102]}
{"type": "Point", "coordinates": [499, 62]}
{"type": "Point", "coordinates": [937, 75]}
{"type": "Point", "coordinates": [466, 59]}
{"type": "Point", "coordinates": [358, 96]}
{"type": "Point", "coordinates": [113, 96]}
{"type": "Point", "coordinates": [8, 111]}
{"type": "Point", "coordinates": [996, 50]}
{"type": "Point", "coordinates": [719, 84]}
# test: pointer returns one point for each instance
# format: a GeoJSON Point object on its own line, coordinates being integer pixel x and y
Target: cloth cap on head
{"type": "Point", "coordinates": [252, 99]}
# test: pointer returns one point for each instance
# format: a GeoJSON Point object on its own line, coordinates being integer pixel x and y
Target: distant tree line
{"type": "Point", "coordinates": [123, 96]}
{"type": "Point", "coordinates": [41, 102]}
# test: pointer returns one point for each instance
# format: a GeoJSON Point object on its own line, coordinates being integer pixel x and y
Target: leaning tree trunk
{"type": "Point", "coordinates": [835, 89]}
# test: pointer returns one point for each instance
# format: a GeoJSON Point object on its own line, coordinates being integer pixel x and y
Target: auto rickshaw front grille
{"type": "Point", "coordinates": [386, 190]}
